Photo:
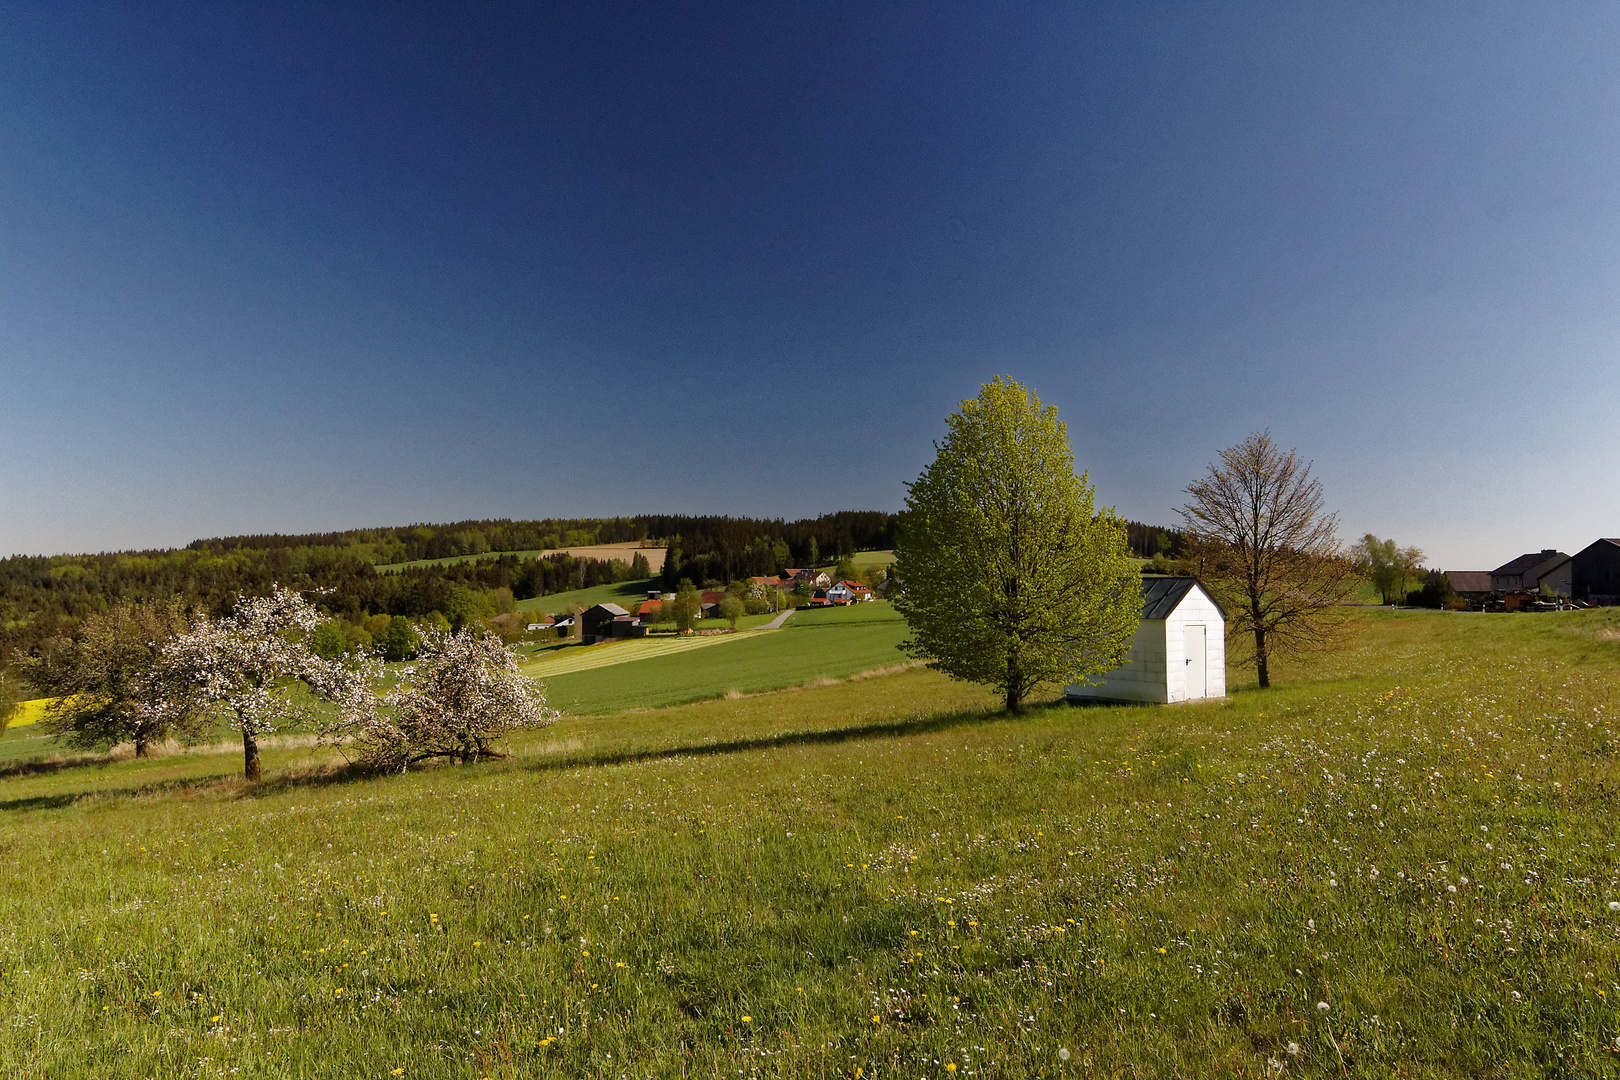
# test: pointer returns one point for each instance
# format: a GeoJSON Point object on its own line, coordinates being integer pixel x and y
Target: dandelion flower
{"type": "Point", "coordinates": [1063, 1053]}
{"type": "Point", "coordinates": [1322, 1006]}
{"type": "Point", "coordinates": [1293, 1049]}
{"type": "Point", "coordinates": [1614, 905]}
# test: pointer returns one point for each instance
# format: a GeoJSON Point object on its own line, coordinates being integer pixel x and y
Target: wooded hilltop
{"type": "Point", "coordinates": [358, 573]}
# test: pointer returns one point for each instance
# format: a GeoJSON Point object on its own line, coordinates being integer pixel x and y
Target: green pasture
{"type": "Point", "coordinates": [830, 643]}
{"type": "Point", "coordinates": [627, 594]}
{"type": "Point", "coordinates": [864, 559]}
{"type": "Point", "coordinates": [1399, 862]}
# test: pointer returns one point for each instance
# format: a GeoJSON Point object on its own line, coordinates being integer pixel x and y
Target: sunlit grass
{"type": "Point", "coordinates": [884, 875]}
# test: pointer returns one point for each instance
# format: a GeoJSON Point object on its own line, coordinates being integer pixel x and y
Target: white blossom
{"type": "Point", "coordinates": [462, 694]}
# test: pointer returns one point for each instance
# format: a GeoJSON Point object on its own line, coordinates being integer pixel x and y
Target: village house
{"type": "Point", "coordinates": [598, 620]}
{"type": "Point", "coordinates": [1525, 571]}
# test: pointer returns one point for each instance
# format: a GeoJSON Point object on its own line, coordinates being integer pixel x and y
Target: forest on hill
{"type": "Point", "coordinates": [42, 596]}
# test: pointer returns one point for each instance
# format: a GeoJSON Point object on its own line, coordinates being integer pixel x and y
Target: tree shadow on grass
{"type": "Point", "coordinates": [227, 785]}
{"type": "Point", "coordinates": [888, 729]}
{"type": "Point", "coordinates": [231, 786]}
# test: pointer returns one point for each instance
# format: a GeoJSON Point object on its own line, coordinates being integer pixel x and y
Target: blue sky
{"type": "Point", "coordinates": [294, 267]}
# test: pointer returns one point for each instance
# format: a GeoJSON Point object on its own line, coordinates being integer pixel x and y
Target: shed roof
{"type": "Point", "coordinates": [1162, 595]}
{"type": "Point", "coordinates": [1466, 581]}
{"type": "Point", "coordinates": [611, 609]}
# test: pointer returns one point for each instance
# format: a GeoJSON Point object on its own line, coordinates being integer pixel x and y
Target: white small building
{"type": "Point", "coordinates": [1179, 653]}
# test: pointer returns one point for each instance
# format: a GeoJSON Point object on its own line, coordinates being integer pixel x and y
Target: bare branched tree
{"type": "Point", "coordinates": [1269, 551]}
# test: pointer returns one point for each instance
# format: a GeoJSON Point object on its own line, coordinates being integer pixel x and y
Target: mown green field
{"type": "Point", "coordinates": [830, 643]}
{"type": "Point", "coordinates": [1399, 862]}
{"type": "Point", "coordinates": [627, 594]}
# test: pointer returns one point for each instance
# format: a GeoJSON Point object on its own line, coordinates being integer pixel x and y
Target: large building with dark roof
{"type": "Point", "coordinates": [1595, 572]}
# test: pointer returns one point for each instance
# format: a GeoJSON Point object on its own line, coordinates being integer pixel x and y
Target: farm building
{"type": "Point", "coordinates": [1595, 572]}
{"type": "Point", "coordinates": [1471, 585]}
{"type": "Point", "coordinates": [1525, 571]}
{"type": "Point", "coordinates": [1179, 653]}
{"type": "Point", "coordinates": [598, 621]}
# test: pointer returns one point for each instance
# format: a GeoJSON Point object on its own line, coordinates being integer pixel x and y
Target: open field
{"type": "Point", "coordinates": [1398, 862]}
{"type": "Point", "coordinates": [814, 644]}
{"type": "Point", "coordinates": [627, 594]}
{"type": "Point", "coordinates": [574, 658]}
{"type": "Point", "coordinates": [30, 712]}
{"type": "Point", "coordinates": [622, 552]}
{"type": "Point", "coordinates": [864, 559]}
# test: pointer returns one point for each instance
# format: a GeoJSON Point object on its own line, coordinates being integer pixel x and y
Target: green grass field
{"type": "Point", "coordinates": [627, 594]}
{"type": "Point", "coordinates": [1397, 863]}
{"type": "Point", "coordinates": [830, 643]}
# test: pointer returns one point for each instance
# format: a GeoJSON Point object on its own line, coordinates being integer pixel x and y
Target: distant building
{"type": "Point", "coordinates": [1179, 652]}
{"type": "Point", "coordinates": [598, 621]}
{"type": "Point", "coordinates": [1470, 585]}
{"type": "Point", "coordinates": [1525, 571]}
{"type": "Point", "coordinates": [1595, 572]}
{"type": "Point", "coordinates": [839, 593]}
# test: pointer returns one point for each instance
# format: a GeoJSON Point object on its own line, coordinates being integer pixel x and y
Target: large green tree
{"type": "Point", "coordinates": [105, 678]}
{"type": "Point", "coordinates": [1012, 577]}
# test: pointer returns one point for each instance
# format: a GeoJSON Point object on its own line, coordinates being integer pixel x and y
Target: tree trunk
{"type": "Point", "coordinates": [1261, 660]}
{"type": "Point", "coordinates": [140, 744]}
{"type": "Point", "coordinates": [250, 758]}
{"type": "Point", "coordinates": [1015, 687]}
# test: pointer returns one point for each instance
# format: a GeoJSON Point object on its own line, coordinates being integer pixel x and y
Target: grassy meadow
{"type": "Point", "coordinates": [814, 645]}
{"type": "Point", "coordinates": [1398, 862]}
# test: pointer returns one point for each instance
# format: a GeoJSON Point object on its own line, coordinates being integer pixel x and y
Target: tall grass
{"type": "Point", "coordinates": [885, 877]}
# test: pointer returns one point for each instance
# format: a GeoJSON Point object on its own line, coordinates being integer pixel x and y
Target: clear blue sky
{"type": "Point", "coordinates": [294, 266]}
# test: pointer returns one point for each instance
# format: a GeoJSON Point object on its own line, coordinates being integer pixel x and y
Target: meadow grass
{"type": "Point", "coordinates": [627, 594]}
{"type": "Point", "coordinates": [814, 645]}
{"type": "Point", "coordinates": [879, 878]}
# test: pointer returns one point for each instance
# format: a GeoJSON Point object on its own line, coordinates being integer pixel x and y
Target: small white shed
{"type": "Point", "coordinates": [1179, 653]}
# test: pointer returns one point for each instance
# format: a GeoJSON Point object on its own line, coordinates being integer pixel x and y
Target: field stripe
{"type": "Point", "coordinates": [30, 712]}
{"type": "Point", "coordinates": [626, 652]}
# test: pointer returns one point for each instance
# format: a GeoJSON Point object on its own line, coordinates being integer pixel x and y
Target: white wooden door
{"type": "Point", "coordinates": [1197, 663]}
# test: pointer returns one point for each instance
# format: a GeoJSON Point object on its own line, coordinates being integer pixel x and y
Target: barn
{"type": "Point", "coordinates": [1179, 653]}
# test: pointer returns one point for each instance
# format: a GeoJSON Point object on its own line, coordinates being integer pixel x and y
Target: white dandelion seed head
{"type": "Point", "coordinates": [1322, 1006]}
{"type": "Point", "coordinates": [1063, 1053]}
{"type": "Point", "coordinates": [1293, 1049]}
{"type": "Point", "coordinates": [1614, 905]}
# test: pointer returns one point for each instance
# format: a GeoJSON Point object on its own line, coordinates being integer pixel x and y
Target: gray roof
{"type": "Point", "coordinates": [1162, 595]}
{"type": "Point", "coordinates": [1464, 581]}
{"type": "Point", "coordinates": [1526, 563]}
{"type": "Point", "coordinates": [611, 609]}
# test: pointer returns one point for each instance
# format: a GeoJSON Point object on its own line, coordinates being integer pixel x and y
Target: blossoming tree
{"type": "Point", "coordinates": [464, 692]}
{"type": "Point", "coordinates": [244, 665]}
